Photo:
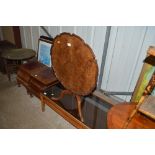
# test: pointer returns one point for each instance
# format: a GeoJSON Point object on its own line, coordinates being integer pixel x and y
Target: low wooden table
{"type": "Point", "coordinates": [14, 57]}
{"type": "Point", "coordinates": [69, 115]}
{"type": "Point", "coordinates": [119, 114]}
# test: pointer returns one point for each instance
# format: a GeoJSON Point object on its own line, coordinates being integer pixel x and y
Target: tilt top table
{"type": "Point", "coordinates": [75, 67]}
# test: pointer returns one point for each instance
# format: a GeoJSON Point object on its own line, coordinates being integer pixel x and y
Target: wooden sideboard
{"type": "Point", "coordinates": [36, 77]}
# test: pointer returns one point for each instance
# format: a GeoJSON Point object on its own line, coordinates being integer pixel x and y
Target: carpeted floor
{"type": "Point", "coordinates": [19, 111]}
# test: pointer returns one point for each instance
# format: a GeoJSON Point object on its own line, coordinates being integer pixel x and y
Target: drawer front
{"type": "Point", "coordinates": [23, 76]}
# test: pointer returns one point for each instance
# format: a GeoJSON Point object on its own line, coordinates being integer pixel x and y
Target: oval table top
{"type": "Point", "coordinates": [119, 114]}
{"type": "Point", "coordinates": [74, 63]}
{"type": "Point", "coordinates": [18, 54]}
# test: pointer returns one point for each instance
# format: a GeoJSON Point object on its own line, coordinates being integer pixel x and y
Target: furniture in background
{"type": "Point", "coordinates": [145, 75]}
{"type": "Point", "coordinates": [37, 75]}
{"type": "Point", "coordinates": [13, 58]}
{"type": "Point", "coordinates": [120, 113]}
{"type": "Point", "coordinates": [130, 113]}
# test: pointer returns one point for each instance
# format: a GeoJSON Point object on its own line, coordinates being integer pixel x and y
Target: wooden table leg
{"type": "Point", "coordinates": [79, 101]}
{"type": "Point", "coordinates": [7, 69]}
{"type": "Point", "coordinates": [18, 84]}
{"type": "Point", "coordinates": [42, 104]}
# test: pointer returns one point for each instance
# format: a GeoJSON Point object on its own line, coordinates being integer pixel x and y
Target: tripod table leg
{"type": "Point", "coordinates": [79, 101]}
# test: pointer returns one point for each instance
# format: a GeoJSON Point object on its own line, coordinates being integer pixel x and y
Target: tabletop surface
{"type": "Point", "coordinates": [18, 54]}
{"type": "Point", "coordinates": [119, 114]}
{"type": "Point", "coordinates": [74, 63]}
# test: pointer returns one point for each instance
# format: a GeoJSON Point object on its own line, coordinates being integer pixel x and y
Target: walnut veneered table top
{"type": "Point", "coordinates": [74, 63]}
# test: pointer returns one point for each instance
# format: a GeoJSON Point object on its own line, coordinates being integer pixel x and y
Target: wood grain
{"type": "Point", "coordinates": [74, 64]}
{"type": "Point", "coordinates": [66, 115]}
{"type": "Point", "coordinates": [120, 113]}
{"type": "Point", "coordinates": [36, 77]}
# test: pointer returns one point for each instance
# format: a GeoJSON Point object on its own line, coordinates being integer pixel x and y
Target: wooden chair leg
{"type": "Point", "coordinates": [79, 101]}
